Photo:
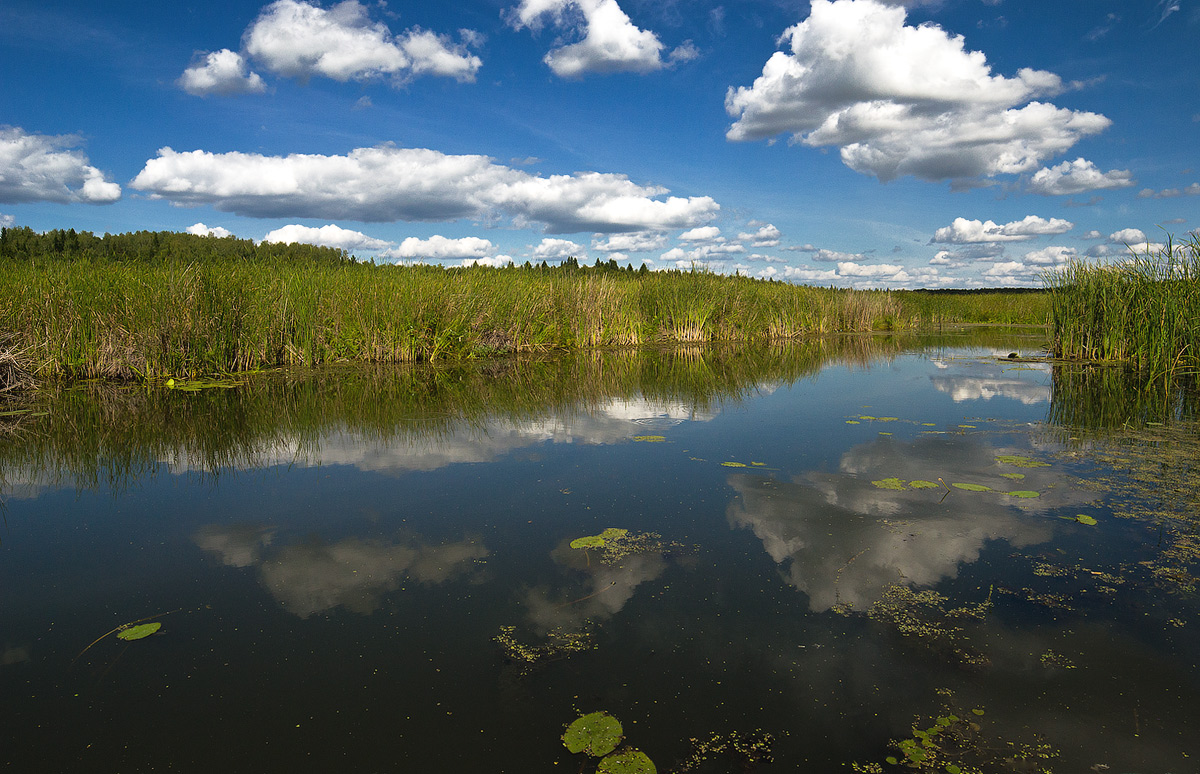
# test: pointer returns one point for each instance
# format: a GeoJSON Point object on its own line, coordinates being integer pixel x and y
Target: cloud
{"type": "Point", "coordinates": [702, 234]}
{"type": "Point", "coordinates": [1078, 176]}
{"type": "Point", "coordinates": [633, 243]}
{"type": "Point", "coordinates": [964, 231]}
{"type": "Point", "coordinates": [47, 168]}
{"type": "Point", "coordinates": [7, 221]}
{"type": "Point", "coordinates": [496, 261]}
{"type": "Point", "coordinates": [199, 229]}
{"type": "Point", "coordinates": [833, 256]}
{"type": "Point", "coordinates": [223, 73]}
{"type": "Point", "coordinates": [326, 236]}
{"type": "Point", "coordinates": [558, 249]}
{"type": "Point", "coordinates": [438, 247]}
{"type": "Point", "coordinates": [1170, 193]}
{"type": "Point", "coordinates": [903, 100]}
{"type": "Point", "coordinates": [1127, 236]}
{"type": "Point", "coordinates": [1051, 256]}
{"type": "Point", "coordinates": [767, 236]}
{"type": "Point", "coordinates": [386, 183]}
{"type": "Point", "coordinates": [610, 41]}
{"type": "Point", "coordinates": [300, 40]}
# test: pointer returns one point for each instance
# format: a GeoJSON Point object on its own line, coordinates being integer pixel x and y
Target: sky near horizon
{"type": "Point", "coordinates": [854, 143]}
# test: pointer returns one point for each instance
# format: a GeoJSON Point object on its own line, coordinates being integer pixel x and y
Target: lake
{"type": "Point", "coordinates": [795, 555]}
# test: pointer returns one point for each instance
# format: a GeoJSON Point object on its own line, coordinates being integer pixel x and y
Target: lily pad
{"type": "Point", "coordinates": [1026, 493]}
{"type": "Point", "coordinates": [627, 762]}
{"type": "Point", "coordinates": [599, 541]}
{"type": "Point", "coordinates": [853, 422]}
{"type": "Point", "coordinates": [597, 734]}
{"type": "Point", "coordinates": [734, 464]}
{"type": "Point", "coordinates": [649, 438]}
{"type": "Point", "coordinates": [920, 484]}
{"type": "Point", "coordinates": [1021, 462]}
{"type": "Point", "coordinates": [1014, 476]}
{"type": "Point", "coordinates": [139, 632]}
{"type": "Point", "coordinates": [973, 487]}
{"type": "Point", "coordinates": [889, 483]}
{"type": "Point", "coordinates": [1083, 518]}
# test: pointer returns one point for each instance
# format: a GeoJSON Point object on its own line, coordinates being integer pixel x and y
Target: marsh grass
{"type": "Point", "coordinates": [1144, 311]}
{"type": "Point", "coordinates": [137, 320]}
{"type": "Point", "coordinates": [150, 305]}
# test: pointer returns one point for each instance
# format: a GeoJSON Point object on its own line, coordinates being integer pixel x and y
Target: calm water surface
{"type": "Point", "coordinates": [333, 555]}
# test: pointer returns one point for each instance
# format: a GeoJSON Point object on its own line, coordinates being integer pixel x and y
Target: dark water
{"type": "Point", "coordinates": [332, 556]}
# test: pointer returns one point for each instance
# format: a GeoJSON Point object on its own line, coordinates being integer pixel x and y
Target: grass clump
{"type": "Point", "coordinates": [1144, 311]}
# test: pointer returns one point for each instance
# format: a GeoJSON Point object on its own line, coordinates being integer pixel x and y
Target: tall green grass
{"type": "Point", "coordinates": [149, 305]}
{"type": "Point", "coordinates": [104, 318]}
{"type": "Point", "coordinates": [1144, 311]}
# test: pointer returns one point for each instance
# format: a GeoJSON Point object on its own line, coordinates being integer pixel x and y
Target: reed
{"type": "Point", "coordinates": [153, 305]}
{"type": "Point", "coordinates": [1144, 311]}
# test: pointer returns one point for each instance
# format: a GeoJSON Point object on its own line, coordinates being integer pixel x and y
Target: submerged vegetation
{"type": "Point", "coordinates": [159, 304]}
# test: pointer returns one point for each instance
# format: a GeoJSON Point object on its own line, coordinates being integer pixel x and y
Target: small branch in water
{"type": "Point", "coordinates": [589, 596]}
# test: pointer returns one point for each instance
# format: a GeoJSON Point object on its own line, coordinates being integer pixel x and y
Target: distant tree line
{"type": "Point", "coordinates": [23, 243]}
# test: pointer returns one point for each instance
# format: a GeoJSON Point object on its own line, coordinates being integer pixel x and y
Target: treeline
{"type": "Point", "coordinates": [23, 243]}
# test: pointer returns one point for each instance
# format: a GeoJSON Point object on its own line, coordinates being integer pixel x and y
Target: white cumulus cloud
{"type": "Point", "coordinates": [610, 42]}
{"type": "Point", "coordinates": [199, 229]}
{"type": "Point", "coordinates": [964, 231]}
{"type": "Point", "coordinates": [701, 234]}
{"type": "Point", "coordinates": [766, 236]}
{"type": "Point", "coordinates": [1051, 256]}
{"type": "Point", "coordinates": [48, 168]}
{"type": "Point", "coordinates": [386, 183]}
{"type": "Point", "coordinates": [632, 243]}
{"type": "Point", "coordinates": [495, 261]}
{"type": "Point", "coordinates": [300, 40]}
{"type": "Point", "coordinates": [224, 73]}
{"type": "Point", "coordinates": [1078, 176]}
{"type": "Point", "coordinates": [903, 100]}
{"type": "Point", "coordinates": [557, 249]}
{"type": "Point", "coordinates": [326, 236]}
{"type": "Point", "coordinates": [439, 247]}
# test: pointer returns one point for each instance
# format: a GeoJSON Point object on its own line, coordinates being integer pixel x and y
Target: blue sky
{"type": "Point", "coordinates": [856, 143]}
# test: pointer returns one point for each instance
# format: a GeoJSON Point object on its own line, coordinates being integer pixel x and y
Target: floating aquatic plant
{"type": "Point", "coordinates": [616, 543]}
{"type": "Point", "coordinates": [139, 632]}
{"type": "Point", "coordinates": [734, 464]}
{"type": "Point", "coordinates": [973, 487]}
{"type": "Point", "coordinates": [627, 762]}
{"type": "Point", "coordinates": [599, 541]}
{"type": "Point", "coordinates": [560, 643]}
{"type": "Point", "coordinates": [889, 483]}
{"type": "Point", "coordinates": [954, 742]}
{"type": "Point", "coordinates": [920, 484]}
{"type": "Point", "coordinates": [596, 733]}
{"type": "Point", "coordinates": [1024, 493]}
{"type": "Point", "coordinates": [649, 438]}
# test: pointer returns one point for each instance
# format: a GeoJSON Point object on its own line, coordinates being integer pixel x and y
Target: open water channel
{"type": "Point", "coordinates": [371, 570]}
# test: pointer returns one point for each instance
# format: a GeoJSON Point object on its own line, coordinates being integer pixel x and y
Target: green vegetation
{"type": "Point", "coordinates": [156, 305]}
{"type": "Point", "coordinates": [954, 742]}
{"type": "Point", "coordinates": [1144, 311]}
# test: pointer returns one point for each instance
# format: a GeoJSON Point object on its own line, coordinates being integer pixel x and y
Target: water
{"type": "Point", "coordinates": [333, 555]}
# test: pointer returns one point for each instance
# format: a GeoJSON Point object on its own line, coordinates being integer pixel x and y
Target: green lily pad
{"type": "Point", "coordinates": [853, 422]}
{"type": "Point", "coordinates": [734, 464]}
{"type": "Point", "coordinates": [1021, 462]}
{"type": "Point", "coordinates": [649, 438]}
{"type": "Point", "coordinates": [627, 762]}
{"type": "Point", "coordinates": [1083, 518]}
{"type": "Point", "coordinates": [920, 484]}
{"type": "Point", "coordinates": [889, 483]}
{"type": "Point", "coordinates": [601, 540]}
{"type": "Point", "coordinates": [597, 734]}
{"type": "Point", "coordinates": [1014, 476]}
{"type": "Point", "coordinates": [139, 632]}
{"type": "Point", "coordinates": [1024, 493]}
{"type": "Point", "coordinates": [973, 487]}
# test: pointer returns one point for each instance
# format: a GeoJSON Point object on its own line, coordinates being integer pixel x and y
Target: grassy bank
{"type": "Point", "coordinates": [149, 305]}
{"type": "Point", "coordinates": [1145, 311]}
